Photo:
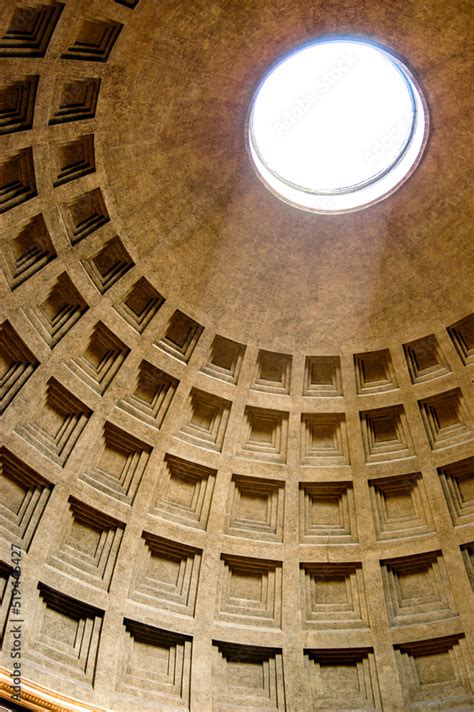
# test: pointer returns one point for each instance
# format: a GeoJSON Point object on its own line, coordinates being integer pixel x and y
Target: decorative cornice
{"type": "Point", "coordinates": [37, 697]}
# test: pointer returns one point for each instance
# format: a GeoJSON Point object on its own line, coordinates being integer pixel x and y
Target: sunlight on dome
{"type": "Point", "coordinates": [336, 125]}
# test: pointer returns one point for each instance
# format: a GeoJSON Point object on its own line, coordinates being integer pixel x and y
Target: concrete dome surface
{"type": "Point", "coordinates": [237, 453]}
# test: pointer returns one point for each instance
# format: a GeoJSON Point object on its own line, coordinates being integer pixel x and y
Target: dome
{"type": "Point", "coordinates": [237, 455]}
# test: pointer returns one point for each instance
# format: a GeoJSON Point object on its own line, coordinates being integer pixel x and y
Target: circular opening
{"type": "Point", "coordinates": [336, 125]}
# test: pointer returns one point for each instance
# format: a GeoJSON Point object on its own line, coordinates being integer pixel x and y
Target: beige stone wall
{"type": "Point", "coordinates": [232, 486]}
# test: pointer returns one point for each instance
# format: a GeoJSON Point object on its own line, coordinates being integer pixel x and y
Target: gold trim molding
{"type": "Point", "coordinates": [37, 697]}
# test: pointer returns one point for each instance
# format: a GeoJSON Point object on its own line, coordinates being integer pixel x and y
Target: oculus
{"type": "Point", "coordinates": [336, 125]}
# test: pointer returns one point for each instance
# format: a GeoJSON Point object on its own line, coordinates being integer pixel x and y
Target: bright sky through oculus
{"type": "Point", "coordinates": [336, 125]}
